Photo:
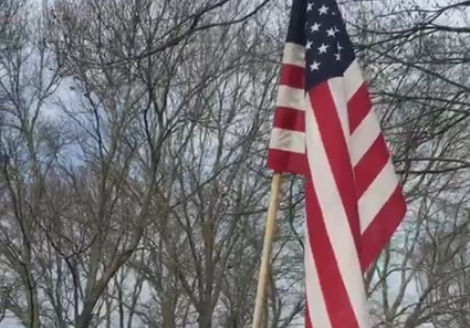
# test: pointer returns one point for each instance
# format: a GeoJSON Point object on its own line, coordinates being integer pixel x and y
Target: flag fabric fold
{"type": "Point", "coordinates": [325, 128]}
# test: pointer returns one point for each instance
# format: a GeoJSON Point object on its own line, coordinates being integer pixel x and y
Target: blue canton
{"type": "Point", "coordinates": [328, 49]}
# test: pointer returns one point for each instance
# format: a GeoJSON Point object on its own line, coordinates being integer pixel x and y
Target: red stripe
{"type": "Point", "coordinates": [336, 299]}
{"type": "Point", "coordinates": [358, 107]}
{"type": "Point", "coordinates": [290, 119]}
{"type": "Point", "coordinates": [370, 165]}
{"type": "Point", "coordinates": [379, 232]}
{"type": "Point", "coordinates": [292, 76]}
{"type": "Point", "coordinates": [286, 161]}
{"type": "Point", "coordinates": [337, 152]}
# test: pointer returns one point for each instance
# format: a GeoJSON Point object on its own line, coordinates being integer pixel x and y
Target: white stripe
{"type": "Point", "coordinates": [363, 137]}
{"type": "Point", "coordinates": [337, 89]}
{"type": "Point", "coordinates": [294, 54]}
{"type": "Point", "coordinates": [288, 140]}
{"type": "Point", "coordinates": [316, 302]}
{"type": "Point", "coordinates": [336, 221]}
{"type": "Point", "coordinates": [291, 98]}
{"type": "Point", "coordinates": [352, 79]}
{"type": "Point", "coordinates": [375, 197]}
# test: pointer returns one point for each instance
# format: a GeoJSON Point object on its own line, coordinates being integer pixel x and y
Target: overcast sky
{"type": "Point", "coordinates": [10, 321]}
{"type": "Point", "coordinates": [457, 19]}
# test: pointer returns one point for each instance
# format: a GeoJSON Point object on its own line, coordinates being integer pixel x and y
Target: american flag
{"type": "Point", "coordinates": [325, 129]}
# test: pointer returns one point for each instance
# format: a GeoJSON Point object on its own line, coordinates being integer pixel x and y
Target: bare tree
{"type": "Point", "coordinates": [133, 189]}
{"type": "Point", "coordinates": [415, 58]}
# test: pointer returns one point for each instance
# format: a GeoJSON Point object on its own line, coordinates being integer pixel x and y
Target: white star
{"type": "Point", "coordinates": [315, 66]}
{"type": "Point", "coordinates": [331, 32]}
{"type": "Point", "coordinates": [339, 47]}
{"type": "Point", "coordinates": [309, 6]}
{"type": "Point", "coordinates": [309, 44]}
{"type": "Point", "coordinates": [323, 48]}
{"type": "Point", "coordinates": [315, 27]}
{"type": "Point", "coordinates": [323, 10]}
{"type": "Point", "coordinates": [338, 56]}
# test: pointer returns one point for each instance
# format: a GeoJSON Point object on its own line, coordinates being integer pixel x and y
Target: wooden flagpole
{"type": "Point", "coordinates": [267, 248]}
